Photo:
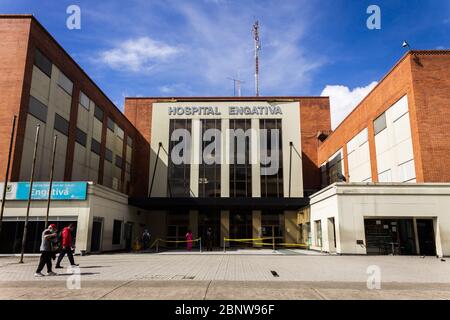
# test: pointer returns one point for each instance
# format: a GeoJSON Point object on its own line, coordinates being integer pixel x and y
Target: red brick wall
{"type": "Point", "coordinates": [139, 113]}
{"type": "Point", "coordinates": [431, 87]}
{"type": "Point", "coordinates": [14, 33]}
{"type": "Point", "coordinates": [391, 88]}
{"type": "Point", "coordinates": [425, 77]}
{"type": "Point", "coordinates": [314, 117]}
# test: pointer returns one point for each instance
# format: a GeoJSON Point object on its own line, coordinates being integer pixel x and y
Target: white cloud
{"type": "Point", "coordinates": [138, 54]}
{"type": "Point", "coordinates": [343, 100]}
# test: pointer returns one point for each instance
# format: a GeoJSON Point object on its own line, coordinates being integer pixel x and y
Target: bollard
{"type": "Point", "coordinates": [224, 250]}
{"type": "Point", "coordinates": [157, 246]}
{"type": "Point", "coordinates": [200, 241]}
{"type": "Point", "coordinates": [273, 244]}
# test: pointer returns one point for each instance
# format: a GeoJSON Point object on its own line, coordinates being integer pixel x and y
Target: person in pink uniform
{"type": "Point", "coordinates": [189, 240]}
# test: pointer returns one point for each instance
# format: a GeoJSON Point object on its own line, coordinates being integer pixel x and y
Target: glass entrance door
{"type": "Point", "coordinates": [241, 227]}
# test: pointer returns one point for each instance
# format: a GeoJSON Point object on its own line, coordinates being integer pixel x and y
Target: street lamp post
{"type": "Point", "coordinates": [33, 165]}
{"type": "Point", "coordinates": [55, 141]}
{"type": "Point", "coordinates": [2, 209]}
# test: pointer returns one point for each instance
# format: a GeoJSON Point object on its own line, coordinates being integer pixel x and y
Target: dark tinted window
{"type": "Point", "coordinates": [271, 158]}
{"type": "Point", "coordinates": [43, 63]}
{"type": "Point", "coordinates": [37, 109]}
{"type": "Point", "coordinates": [98, 113]}
{"type": "Point", "coordinates": [81, 137]}
{"type": "Point", "coordinates": [111, 124]}
{"type": "Point", "coordinates": [95, 146]}
{"type": "Point", "coordinates": [61, 124]}
{"type": "Point", "coordinates": [108, 155]}
{"type": "Point", "coordinates": [119, 161]}
{"type": "Point", "coordinates": [179, 174]}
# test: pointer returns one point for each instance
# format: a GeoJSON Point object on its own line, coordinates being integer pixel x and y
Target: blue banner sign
{"type": "Point", "coordinates": [60, 191]}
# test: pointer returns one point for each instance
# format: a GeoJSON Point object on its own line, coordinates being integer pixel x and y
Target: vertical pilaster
{"type": "Point", "coordinates": [224, 226]}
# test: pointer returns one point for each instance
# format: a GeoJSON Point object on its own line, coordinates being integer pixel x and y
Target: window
{"type": "Point", "coordinates": [129, 141]}
{"type": "Point", "coordinates": [43, 63]}
{"type": "Point", "coordinates": [380, 123]}
{"type": "Point", "coordinates": [65, 83]}
{"type": "Point", "coordinates": [84, 100]}
{"type": "Point", "coordinates": [271, 142]}
{"type": "Point", "coordinates": [240, 164]}
{"type": "Point", "coordinates": [209, 173]}
{"type": "Point", "coordinates": [127, 167]}
{"type": "Point", "coordinates": [407, 171]}
{"type": "Point", "coordinates": [37, 109]}
{"type": "Point", "coordinates": [385, 176]}
{"type": "Point", "coordinates": [336, 168]}
{"type": "Point", "coordinates": [98, 113]}
{"type": "Point", "coordinates": [318, 225]}
{"type": "Point", "coordinates": [119, 162]}
{"type": "Point", "coordinates": [178, 184]}
{"type": "Point", "coordinates": [108, 155]}
{"type": "Point", "coordinates": [80, 137]}
{"type": "Point", "coordinates": [111, 124]}
{"type": "Point", "coordinates": [95, 146]}
{"type": "Point", "coordinates": [117, 232]}
{"type": "Point", "coordinates": [61, 124]}
{"type": "Point", "coordinates": [120, 132]}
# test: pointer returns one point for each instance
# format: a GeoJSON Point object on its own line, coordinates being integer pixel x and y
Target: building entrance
{"type": "Point", "coordinates": [177, 227]}
{"type": "Point", "coordinates": [209, 219]}
{"type": "Point", "coordinates": [425, 234]}
{"type": "Point", "coordinates": [390, 236]}
{"type": "Point", "coordinates": [241, 227]}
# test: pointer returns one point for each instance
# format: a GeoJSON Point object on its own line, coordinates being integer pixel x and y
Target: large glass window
{"type": "Point", "coordinates": [43, 63]}
{"type": "Point", "coordinates": [240, 166]}
{"type": "Point", "coordinates": [271, 158]}
{"type": "Point", "coordinates": [209, 169]}
{"type": "Point", "coordinates": [178, 182]}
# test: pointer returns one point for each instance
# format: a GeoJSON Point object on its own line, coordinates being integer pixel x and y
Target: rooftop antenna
{"type": "Point", "coordinates": [257, 49]}
{"type": "Point", "coordinates": [236, 85]}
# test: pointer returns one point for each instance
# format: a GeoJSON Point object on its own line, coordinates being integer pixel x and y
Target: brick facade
{"type": "Point", "coordinates": [425, 77]}
{"type": "Point", "coordinates": [22, 35]}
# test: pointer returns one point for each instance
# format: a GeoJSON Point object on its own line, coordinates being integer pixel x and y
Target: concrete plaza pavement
{"type": "Point", "coordinates": [252, 274]}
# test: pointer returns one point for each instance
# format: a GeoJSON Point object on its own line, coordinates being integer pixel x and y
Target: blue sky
{"type": "Point", "coordinates": [191, 47]}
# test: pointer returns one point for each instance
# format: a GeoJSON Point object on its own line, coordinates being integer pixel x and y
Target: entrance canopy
{"type": "Point", "coordinates": [219, 203]}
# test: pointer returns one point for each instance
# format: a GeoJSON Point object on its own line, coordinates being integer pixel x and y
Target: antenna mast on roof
{"type": "Point", "coordinates": [257, 49]}
{"type": "Point", "coordinates": [236, 85]}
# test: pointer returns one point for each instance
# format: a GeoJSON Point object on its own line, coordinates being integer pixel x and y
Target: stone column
{"type": "Point", "coordinates": [224, 226]}
{"type": "Point", "coordinates": [256, 225]}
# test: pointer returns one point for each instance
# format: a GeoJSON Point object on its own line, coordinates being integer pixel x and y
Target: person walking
{"type": "Point", "coordinates": [209, 239]}
{"type": "Point", "coordinates": [66, 246]}
{"type": "Point", "coordinates": [47, 242]}
{"type": "Point", "coordinates": [189, 240]}
{"type": "Point", "coordinates": [146, 239]}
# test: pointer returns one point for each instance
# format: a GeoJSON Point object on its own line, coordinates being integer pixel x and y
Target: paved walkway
{"type": "Point", "coordinates": [230, 276]}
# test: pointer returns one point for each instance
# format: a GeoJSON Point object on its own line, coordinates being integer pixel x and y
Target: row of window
{"type": "Point", "coordinates": [240, 169]}
{"type": "Point", "coordinates": [40, 111]}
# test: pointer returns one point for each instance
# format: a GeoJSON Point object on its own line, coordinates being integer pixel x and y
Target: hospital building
{"type": "Point", "coordinates": [252, 167]}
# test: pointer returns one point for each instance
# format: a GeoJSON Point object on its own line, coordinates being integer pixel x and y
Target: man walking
{"type": "Point", "coordinates": [66, 246]}
{"type": "Point", "coordinates": [47, 242]}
